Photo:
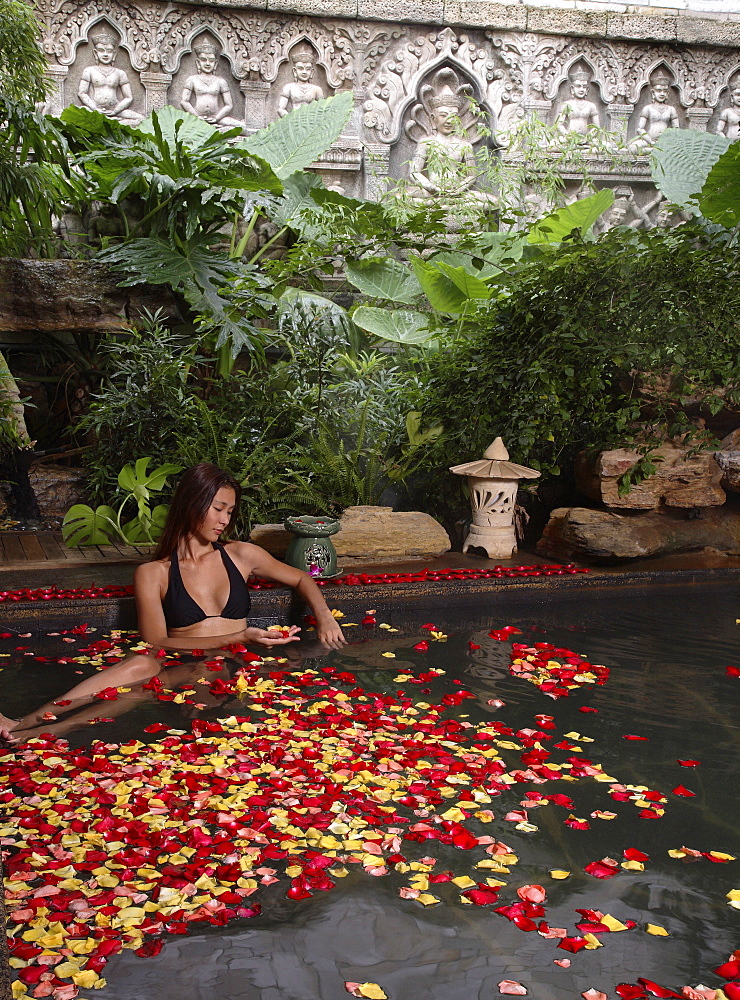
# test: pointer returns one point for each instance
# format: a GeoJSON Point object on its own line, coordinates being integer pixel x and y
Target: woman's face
{"type": "Point", "coordinates": [218, 514]}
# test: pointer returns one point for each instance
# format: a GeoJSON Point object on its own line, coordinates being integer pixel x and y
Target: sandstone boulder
{"type": "Point", "coordinates": [729, 463]}
{"type": "Point", "coordinates": [59, 295]}
{"type": "Point", "coordinates": [370, 535]}
{"type": "Point", "coordinates": [57, 488]}
{"type": "Point", "coordinates": [606, 536]}
{"type": "Point", "coordinates": [680, 480]}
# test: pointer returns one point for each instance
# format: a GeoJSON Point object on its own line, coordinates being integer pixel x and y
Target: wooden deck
{"type": "Point", "coordinates": [47, 550]}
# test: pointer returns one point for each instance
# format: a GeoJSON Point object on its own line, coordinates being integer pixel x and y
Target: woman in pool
{"type": "Point", "coordinates": [192, 595]}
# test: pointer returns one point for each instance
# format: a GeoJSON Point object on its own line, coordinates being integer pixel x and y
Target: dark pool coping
{"type": "Point", "coordinates": [281, 605]}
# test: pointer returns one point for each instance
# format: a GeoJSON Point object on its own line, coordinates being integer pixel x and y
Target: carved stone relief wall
{"type": "Point", "coordinates": [236, 66]}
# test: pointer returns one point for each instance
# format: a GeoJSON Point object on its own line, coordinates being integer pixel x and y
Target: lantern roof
{"type": "Point", "coordinates": [495, 464]}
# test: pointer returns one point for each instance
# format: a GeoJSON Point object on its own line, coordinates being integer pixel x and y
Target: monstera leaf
{"type": "Point", "coordinates": [384, 278]}
{"type": "Point", "coordinates": [403, 326]}
{"type": "Point", "coordinates": [681, 161]}
{"type": "Point", "coordinates": [84, 526]}
{"type": "Point", "coordinates": [146, 529]}
{"type": "Point", "coordinates": [138, 481]}
{"type": "Point", "coordinates": [295, 141]}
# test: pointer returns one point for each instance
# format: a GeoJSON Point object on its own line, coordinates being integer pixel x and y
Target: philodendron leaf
{"type": "Point", "coordinates": [295, 141]}
{"type": "Point", "coordinates": [384, 278]}
{"type": "Point", "coordinates": [580, 215]}
{"type": "Point", "coordinates": [403, 326]}
{"type": "Point", "coordinates": [681, 161]}
{"type": "Point", "coordinates": [720, 197]}
{"type": "Point", "coordinates": [84, 526]}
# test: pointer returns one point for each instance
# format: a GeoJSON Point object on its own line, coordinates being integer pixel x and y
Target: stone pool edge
{"type": "Point", "coordinates": [280, 604]}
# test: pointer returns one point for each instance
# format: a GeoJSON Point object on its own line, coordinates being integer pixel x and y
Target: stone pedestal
{"type": "Point", "coordinates": [255, 101]}
{"type": "Point", "coordinates": [377, 166]}
{"type": "Point", "coordinates": [619, 117]}
{"type": "Point", "coordinates": [539, 108]}
{"type": "Point", "coordinates": [57, 100]}
{"type": "Point", "coordinates": [699, 118]}
{"type": "Point", "coordinates": [370, 535]}
{"type": "Point", "coordinates": [156, 86]}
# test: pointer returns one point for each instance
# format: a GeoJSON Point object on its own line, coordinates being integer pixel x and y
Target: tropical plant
{"type": "Point", "coordinates": [448, 287]}
{"type": "Point", "coordinates": [22, 63]}
{"type": "Point", "coordinates": [626, 340]}
{"type": "Point", "coordinates": [84, 526]}
{"type": "Point", "coordinates": [142, 404]}
{"type": "Point", "coordinates": [189, 184]}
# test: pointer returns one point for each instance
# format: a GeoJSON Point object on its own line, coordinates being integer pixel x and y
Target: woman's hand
{"type": "Point", "coordinates": [6, 729]}
{"type": "Point", "coordinates": [269, 637]}
{"type": "Point", "coordinates": [329, 632]}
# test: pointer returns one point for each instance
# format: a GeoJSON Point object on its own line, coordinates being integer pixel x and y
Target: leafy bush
{"type": "Point", "coordinates": [84, 526]}
{"type": "Point", "coordinates": [596, 344]}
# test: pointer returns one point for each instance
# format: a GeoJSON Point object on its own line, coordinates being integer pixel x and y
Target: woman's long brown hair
{"type": "Point", "coordinates": [193, 496]}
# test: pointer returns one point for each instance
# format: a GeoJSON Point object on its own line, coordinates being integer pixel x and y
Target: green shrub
{"type": "Point", "coordinates": [621, 340]}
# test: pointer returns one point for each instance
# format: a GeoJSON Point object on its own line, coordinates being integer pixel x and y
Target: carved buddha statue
{"type": "Point", "coordinates": [657, 116]}
{"type": "Point", "coordinates": [206, 94]}
{"type": "Point", "coordinates": [578, 114]}
{"type": "Point", "coordinates": [302, 90]}
{"type": "Point", "coordinates": [104, 87]}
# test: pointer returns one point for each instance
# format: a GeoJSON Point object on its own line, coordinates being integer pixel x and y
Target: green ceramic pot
{"type": "Point", "coordinates": [311, 549]}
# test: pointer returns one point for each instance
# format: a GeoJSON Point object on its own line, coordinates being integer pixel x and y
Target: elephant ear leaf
{"type": "Point", "coordinates": [84, 526]}
{"type": "Point", "coordinates": [681, 162]}
{"type": "Point", "coordinates": [720, 197]}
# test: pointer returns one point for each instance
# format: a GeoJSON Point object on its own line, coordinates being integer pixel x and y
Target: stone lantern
{"type": "Point", "coordinates": [493, 482]}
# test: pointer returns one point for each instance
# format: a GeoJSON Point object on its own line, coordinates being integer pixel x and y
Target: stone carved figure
{"type": "Point", "coordinates": [302, 90]}
{"type": "Point", "coordinates": [619, 211]}
{"type": "Point", "coordinates": [104, 224]}
{"type": "Point", "coordinates": [729, 120]}
{"type": "Point", "coordinates": [578, 114]}
{"type": "Point", "coordinates": [206, 94]}
{"type": "Point", "coordinates": [657, 116]}
{"type": "Point", "coordinates": [444, 163]}
{"type": "Point", "coordinates": [104, 87]}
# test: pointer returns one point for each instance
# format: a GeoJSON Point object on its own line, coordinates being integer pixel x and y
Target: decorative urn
{"type": "Point", "coordinates": [310, 548]}
{"type": "Point", "coordinates": [493, 482]}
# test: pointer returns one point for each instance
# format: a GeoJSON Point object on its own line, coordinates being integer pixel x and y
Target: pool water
{"type": "Point", "coordinates": [667, 651]}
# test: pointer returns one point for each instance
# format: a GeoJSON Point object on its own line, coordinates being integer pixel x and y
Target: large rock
{"type": "Point", "coordinates": [681, 479]}
{"type": "Point", "coordinates": [729, 464]}
{"type": "Point", "coordinates": [605, 536]}
{"type": "Point", "coordinates": [370, 535]}
{"type": "Point", "coordinates": [59, 295]}
{"type": "Point", "coordinates": [57, 488]}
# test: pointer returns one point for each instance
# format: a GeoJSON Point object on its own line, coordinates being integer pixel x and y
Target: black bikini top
{"type": "Point", "coordinates": [180, 610]}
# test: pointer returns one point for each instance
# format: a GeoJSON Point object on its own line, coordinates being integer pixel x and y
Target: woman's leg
{"type": "Point", "coordinates": [133, 670]}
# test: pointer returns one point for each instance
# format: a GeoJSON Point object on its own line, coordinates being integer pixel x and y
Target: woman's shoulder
{"type": "Point", "coordinates": [151, 572]}
{"type": "Point", "coordinates": [245, 553]}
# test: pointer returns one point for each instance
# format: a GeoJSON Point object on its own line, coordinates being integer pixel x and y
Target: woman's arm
{"type": "Point", "coordinates": [261, 563]}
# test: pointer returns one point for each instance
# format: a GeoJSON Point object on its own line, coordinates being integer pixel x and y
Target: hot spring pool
{"type": "Point", "coordinates": [667, 652]}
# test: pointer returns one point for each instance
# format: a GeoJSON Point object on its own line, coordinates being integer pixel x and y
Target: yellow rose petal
{"type": "Point", "coordinates": [657, 931]}
{"type": "Point", "coordinates": [559, 873]}
{"type": "Point", "coordinates": [372, 991]}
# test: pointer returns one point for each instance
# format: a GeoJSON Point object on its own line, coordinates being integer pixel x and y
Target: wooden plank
{"type": "Point", "coordinates": [14, 552]}
{"type": "Point", "coordinates": [53, 548]}
{"type": "Point", "coordinates": [32, 547]}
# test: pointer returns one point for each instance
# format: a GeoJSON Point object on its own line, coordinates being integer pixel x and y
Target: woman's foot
{"type": "Point", "coordinates": [6, 729]}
